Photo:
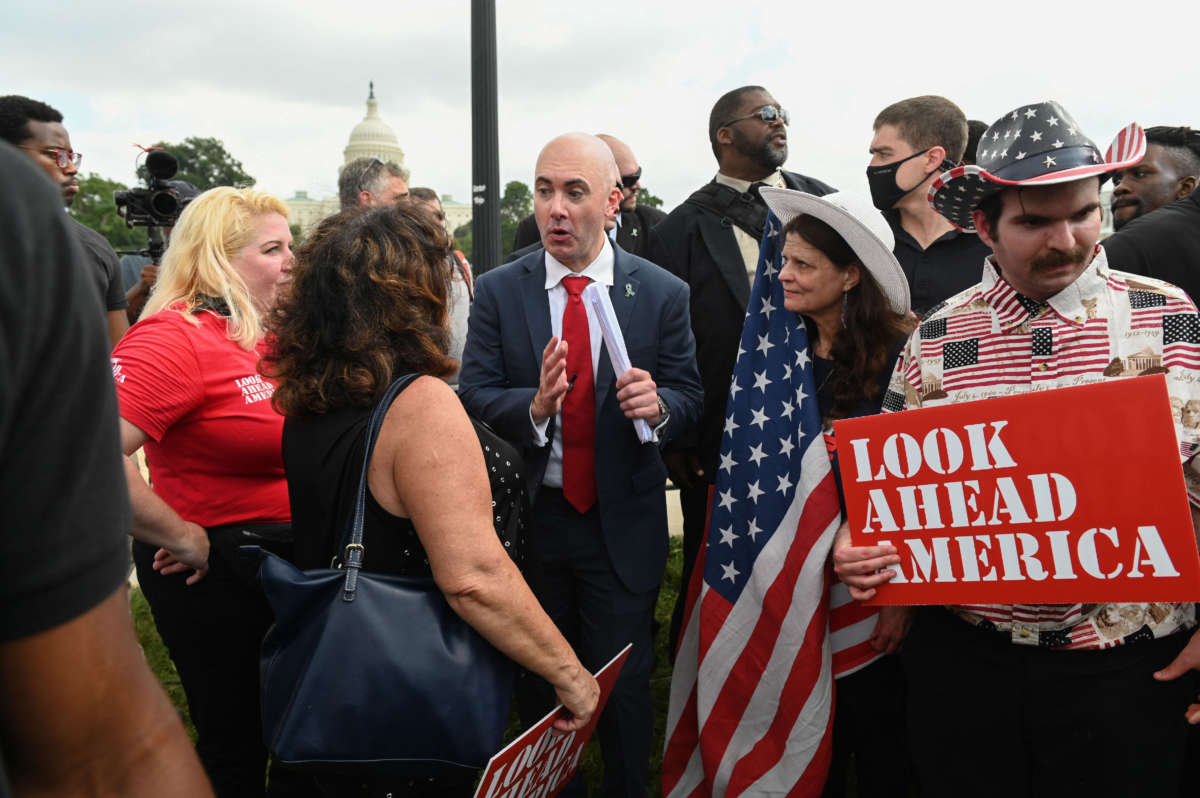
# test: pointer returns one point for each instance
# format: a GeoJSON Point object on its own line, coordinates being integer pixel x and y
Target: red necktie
{"type": "Point", "coordinates": [579, 405]}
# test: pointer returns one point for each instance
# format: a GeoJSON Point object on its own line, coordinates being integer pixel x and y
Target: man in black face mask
{"type": "Point", "coordinates": [915, 141]}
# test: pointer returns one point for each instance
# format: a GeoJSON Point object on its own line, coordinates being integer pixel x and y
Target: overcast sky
{"type": "Point", "coordinates": [283, 84]}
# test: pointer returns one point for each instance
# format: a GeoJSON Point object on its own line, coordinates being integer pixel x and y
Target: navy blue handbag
{"type": "Point", "coordinates": [371, 672]}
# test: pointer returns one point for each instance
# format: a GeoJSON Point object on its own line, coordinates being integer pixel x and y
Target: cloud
{"type": "Point", "coordinates": [282, 85]}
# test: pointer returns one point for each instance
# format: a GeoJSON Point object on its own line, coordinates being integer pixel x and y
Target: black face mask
{"type": "Point", "coordinates": [885, 192]}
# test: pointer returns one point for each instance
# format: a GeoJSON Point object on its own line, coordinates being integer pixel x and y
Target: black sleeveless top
{"type": "Point", "coordinates": [322, 456]}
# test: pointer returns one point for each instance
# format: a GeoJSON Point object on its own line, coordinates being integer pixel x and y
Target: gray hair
{"type": "Point", "coordinates": [366, 174]}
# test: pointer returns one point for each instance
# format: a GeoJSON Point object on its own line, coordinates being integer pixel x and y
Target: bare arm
{"type": "Point", "coordinates": [428, 466]}
{"type": "Point", "coordinates": [137, 296]}
{"type": "Point", "coordinates": [184, 544]}
{"type": "Point", "coordinates": [81, 714]}
{"type": "Point", "coordinates": [1188, 659]}
{"type": "Point", "coordinates": [117, 325]}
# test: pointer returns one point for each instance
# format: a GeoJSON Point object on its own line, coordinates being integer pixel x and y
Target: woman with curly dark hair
{"type": "Point", "coordinates": [840, 275]}
{"type": "Point", "coordinates": [368, 305]}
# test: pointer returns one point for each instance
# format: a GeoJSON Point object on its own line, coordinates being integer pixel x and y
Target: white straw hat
{"type": "Point", "coordinates": [860, 223]}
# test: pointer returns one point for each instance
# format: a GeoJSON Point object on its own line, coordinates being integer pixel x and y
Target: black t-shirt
{"type": "Point", "coordinates": [64, 505]}
{"type": "Point", "coordinates": [102, 263]}
{"type": "Point", "coordinates": [951, 264]}
{"type": "Point", "coordinates": [1164, 244]}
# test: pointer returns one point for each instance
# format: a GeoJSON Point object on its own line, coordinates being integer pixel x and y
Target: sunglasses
{"type": "Point", "coordinates": [369, 172]}
{"type": "Point", "coordinates": [768, 114]}
{"type": "Point", "coordinates": [629, 181]}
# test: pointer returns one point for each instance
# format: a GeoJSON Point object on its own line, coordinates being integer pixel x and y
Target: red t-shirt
{"type": "Point", "coordinates": [215, 451]}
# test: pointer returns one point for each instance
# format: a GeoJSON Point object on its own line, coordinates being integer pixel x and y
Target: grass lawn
{"type": "Point", "coordinates": [156, 654]}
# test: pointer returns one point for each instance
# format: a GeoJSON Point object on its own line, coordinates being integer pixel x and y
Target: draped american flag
{"type": "Point", "coordinates": [751, 705]}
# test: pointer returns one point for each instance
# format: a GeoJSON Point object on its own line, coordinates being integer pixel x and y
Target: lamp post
{"type": "Point", "coordinates": [485, 148]}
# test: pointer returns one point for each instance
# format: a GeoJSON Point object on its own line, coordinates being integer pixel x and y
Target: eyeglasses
{"type": "Point", "coordinates": [629, 181]}
{"type": "Point", "coordinates": [768, 114]}
{"type": "Point", "coordinates": [63, 158]}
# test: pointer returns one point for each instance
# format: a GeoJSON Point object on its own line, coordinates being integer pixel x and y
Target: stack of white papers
{"type": "Point", "coordinates": [596, 296]}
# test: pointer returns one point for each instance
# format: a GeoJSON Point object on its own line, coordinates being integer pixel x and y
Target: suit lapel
{"type": "Point", "coordinates": [723, 247]}
{"type": "Point", "coordinates": [537, 306]}
{"type": "Point", "coordinates": [624, 297]}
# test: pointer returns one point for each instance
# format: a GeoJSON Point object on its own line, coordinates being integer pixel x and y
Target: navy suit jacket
{"type": "Point", "coordinates": [510, 326]}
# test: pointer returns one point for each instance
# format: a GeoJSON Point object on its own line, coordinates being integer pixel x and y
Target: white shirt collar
{"type": "Point", "coordinates": [600, 270]}
{"type": "Point", "coordinates": [773, 179]}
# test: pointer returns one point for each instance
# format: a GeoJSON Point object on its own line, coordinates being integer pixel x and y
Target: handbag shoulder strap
{"type": "Point", "coordinates": [352, 552]}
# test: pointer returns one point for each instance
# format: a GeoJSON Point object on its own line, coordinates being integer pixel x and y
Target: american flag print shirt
{"type": "Point", "coordinates": [990, 341]}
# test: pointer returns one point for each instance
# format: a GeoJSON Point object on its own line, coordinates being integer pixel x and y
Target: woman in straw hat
{"type": "Point", "coordinates": [840, 276]}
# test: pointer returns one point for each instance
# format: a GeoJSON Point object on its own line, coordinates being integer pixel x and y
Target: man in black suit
{"type": "Point", "coordinates": [633, 221]}
{"type": "Point", "coordinates": [711, 243]}
{"type": "Point", "coordinates": [535, 367]}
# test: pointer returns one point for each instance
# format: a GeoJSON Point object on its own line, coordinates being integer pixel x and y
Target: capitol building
{"type": "Point", "coordinates": [372, 137]}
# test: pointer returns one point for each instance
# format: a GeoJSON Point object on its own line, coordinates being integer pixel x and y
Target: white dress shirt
{"type": "Point", "coordinates": [600, 271]}
{"type": "Point", "coordinates": [747, 243]}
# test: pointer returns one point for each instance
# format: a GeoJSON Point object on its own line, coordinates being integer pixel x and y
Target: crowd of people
{"type": "Point", "coordinates": [250, 371]}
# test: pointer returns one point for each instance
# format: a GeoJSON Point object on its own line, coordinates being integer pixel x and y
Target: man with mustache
{"type": "Point", "coordinates": [1013, 699]}
{"type": "Point", "coordinates": [1166, 243]}
{"type": "Point", "coordinates": [711, 243]}
{"type": "Point", "coordinates": [1169, 172]}
{"type": "Point", "coordinates": [37, 131]}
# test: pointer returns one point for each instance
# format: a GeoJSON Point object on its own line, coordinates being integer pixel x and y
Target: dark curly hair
{"type": "Point", "coordinates": [861, 351]}
{"type": "Point", "coordinates": [16, 112]}
{"type": "Point", "coordinates": [367, 303]}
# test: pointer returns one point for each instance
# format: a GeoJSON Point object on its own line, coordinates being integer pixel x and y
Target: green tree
{"type": "Point", "coordinates": [465, 240]}
{"type": "Point", "coordinates": [648, 199]}
{"type": "Point", "coordinates": [297, 235]}
{"type": "Point", "coordinates": [205, 163]}
{"type": "Point", "coordinates": [515, 205]}
{"type": "Point", "coordinates": [94, 208]}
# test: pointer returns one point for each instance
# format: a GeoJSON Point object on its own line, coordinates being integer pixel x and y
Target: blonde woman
{"type": "Point", "coordinates": [190, 393]}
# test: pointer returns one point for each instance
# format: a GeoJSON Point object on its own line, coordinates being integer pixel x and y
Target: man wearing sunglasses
{"type": "Point", "coordinates": [37, 131]}
{"type": "Point", "coordinates": [632, 223]}
{"type": "Point", "coordinates": [711, 243]}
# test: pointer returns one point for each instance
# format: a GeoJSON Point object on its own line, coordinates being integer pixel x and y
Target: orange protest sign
{"type": "Point", "coordinates": [1059, 496]}
{"type": "Point", "coordinates": [540, 762]}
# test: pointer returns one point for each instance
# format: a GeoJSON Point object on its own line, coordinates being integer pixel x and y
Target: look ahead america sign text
{"type": "Point", "coordinates": [1059, 496]}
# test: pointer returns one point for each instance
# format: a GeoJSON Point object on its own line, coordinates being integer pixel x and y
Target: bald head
{"type": "Point", "coordinates": [574, 191]}
{"type": "Point", "coordinates": [627, 166]}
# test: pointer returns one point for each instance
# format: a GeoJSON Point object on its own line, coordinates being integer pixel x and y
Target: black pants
{"type": "Point", "coordinates": [570, 573]}
{"type": "Point", "coordinates": [990, 718]}
{"type": "Point", "coordinates": [693, 502]}
{"type": "Point", "coordinates": [868, 724]}
{"type": "Point", "coordinates": [213, 631]}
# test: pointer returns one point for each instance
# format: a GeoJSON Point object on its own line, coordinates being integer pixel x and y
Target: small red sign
{"type": "Point", "coordinates": [1058, 496]}
{"type": "Point", "coordinates": [541, 761]}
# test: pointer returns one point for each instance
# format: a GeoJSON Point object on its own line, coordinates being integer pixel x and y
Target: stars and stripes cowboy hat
{"type": "Point", "coordinates": [859, 223]}
{"type": "Point", "coordinates": [1034, 145]}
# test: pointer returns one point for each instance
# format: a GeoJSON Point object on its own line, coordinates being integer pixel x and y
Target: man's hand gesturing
{"type": "Point", "coordinates": [552, 384]}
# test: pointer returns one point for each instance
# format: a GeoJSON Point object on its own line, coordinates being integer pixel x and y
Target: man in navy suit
{"type": "Point", "coordinates": [536, 369]}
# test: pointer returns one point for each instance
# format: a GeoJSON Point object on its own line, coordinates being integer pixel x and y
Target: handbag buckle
{"type": "Point", "coordinates": [353, 547]}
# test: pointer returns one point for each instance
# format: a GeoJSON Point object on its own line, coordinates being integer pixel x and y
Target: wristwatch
{"type": "Point", "coordinates": [663, 412]}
